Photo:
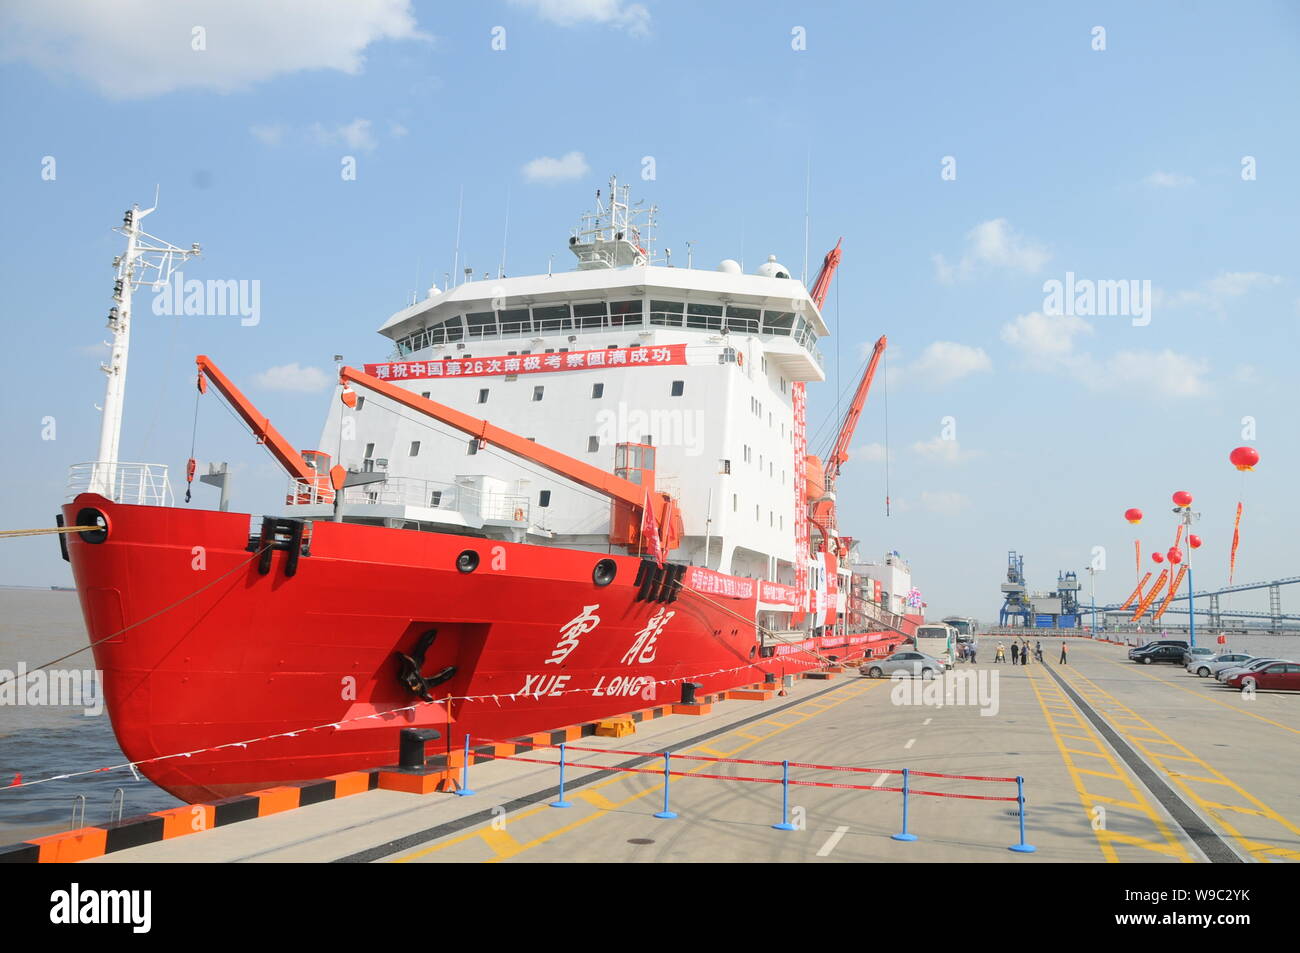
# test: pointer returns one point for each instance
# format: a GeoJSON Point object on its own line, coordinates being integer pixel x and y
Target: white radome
{"type": "Point", "coordinates": [772, 269]}
{"type": "Point", "coordinates": [729, 266]}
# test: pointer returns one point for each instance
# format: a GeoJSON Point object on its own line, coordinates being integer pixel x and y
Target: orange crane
{"type": "Point", "coordinates": [822, 476]}
{"type": "Point", "coordinates": [822, 286]}
{"type": "Point", "coordinates": [631, 488]}
{"type": "Point", "coordinates": [307, 467]}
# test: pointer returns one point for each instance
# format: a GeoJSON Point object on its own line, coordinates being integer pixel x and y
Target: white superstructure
{"type": "Point", "coordinates": [711, 389]}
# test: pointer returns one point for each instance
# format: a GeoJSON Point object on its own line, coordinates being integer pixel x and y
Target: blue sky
{"type": "Point", "coordinates": [1117, 163]}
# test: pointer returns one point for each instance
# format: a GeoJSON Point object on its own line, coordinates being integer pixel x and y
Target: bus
{"type": "Point", "coordinates": [938, 640]}
{"type": "Point", "coordinates": [964, 627]}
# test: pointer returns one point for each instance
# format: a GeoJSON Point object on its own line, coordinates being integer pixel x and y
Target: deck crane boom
{"type": "Point", "coordinates": [822, 286]}
{"type": "Point", "coordinates": [629, 494]}
{"type": "Point", "coordinates": [840, 452]}
{"type": "Point", "coordinates": [283, 451]}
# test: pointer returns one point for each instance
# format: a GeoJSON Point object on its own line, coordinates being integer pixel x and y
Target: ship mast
{"type": "Point", "coordinates": [150, 260]}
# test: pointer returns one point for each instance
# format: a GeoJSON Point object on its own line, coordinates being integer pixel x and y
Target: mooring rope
{"type": "Point", "coordinates": [47, 530]}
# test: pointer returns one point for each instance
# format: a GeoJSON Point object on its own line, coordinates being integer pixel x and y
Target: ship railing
{"type": "Point", "coordinates": [140, 484]}
{"type": "Point", "coordinates": [414, 492]}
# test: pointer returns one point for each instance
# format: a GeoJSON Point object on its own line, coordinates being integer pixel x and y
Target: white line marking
{"type": "Point", "coordinates": [832, 841]}
{"type": "Point", "coordinates": [926, 722]}
{"type": "Point", "coordinates": [909, 744]}
{"type": "Point", "coordinates": [880, 780]}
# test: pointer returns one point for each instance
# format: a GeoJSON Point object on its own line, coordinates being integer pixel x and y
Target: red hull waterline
{"type": "Point", "coordinates": [219, 653]}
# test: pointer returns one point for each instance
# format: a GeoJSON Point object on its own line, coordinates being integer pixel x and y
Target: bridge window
{"type": "Point", "coordinates": [623, 313]}
{"type": "Point", "coordinates": [552, 318]}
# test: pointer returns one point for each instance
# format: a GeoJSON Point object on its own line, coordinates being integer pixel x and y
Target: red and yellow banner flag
{"type": "Point", "coordinates": [1151, 595]}
{"type": "Point", "coordinates": [1173, 590]}
{"type": "Point", "coordinates": [1236, 538]}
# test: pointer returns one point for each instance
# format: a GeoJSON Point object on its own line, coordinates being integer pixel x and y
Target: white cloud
{"type": "Point", "coordinates": [269, 134]}
{"type": "Point", "coordinates": [940, 450]}
{"type": "Point", "coordinates": [632, 17]}
{"type": "Point", "coordinates": [869, 453]}
{"type": "Point", "coordinates": [993, 244]}
{"type": "Point", "coordinates": [1042, 336]}
{"type": "Point", "coordinates": [1169, 180]}
{"type": "Point", "coordinates": [1160, 373]}
{"type": "Point", "coordinates": [946, 502]}
{"type": "Point", "coordinates": [544, 169]}
{"type": "Point", "coordinates": [397, 130]}
{"type": "Point", "coordinates": [1215, 293]}
{"type": "Point", "coordinates": [132, 49]}
{"type": "Point", "coordinates": [1048, 341]}
{"type": "Point", "coordinates": [354, 135]}
{"type": "Point", "coordinates": [943, 362]}
{"type": "Point", "coordinates": [292, 377]}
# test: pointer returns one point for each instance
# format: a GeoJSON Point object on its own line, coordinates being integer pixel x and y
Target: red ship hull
{"type": "Point", "coordinates": [217, 652]}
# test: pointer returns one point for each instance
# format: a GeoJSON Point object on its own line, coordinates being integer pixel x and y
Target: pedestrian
{"type": "Point", "coordinates": [1038, 650]}
{"type": "Point", "coordinates": [961, 651]}
{"type": "Point", "coordinates": [972, 651]}
{"type": "Point", "coordinates": [1001, 654]}
{"type": "Point", "coordinates": [1064, 660]}
{"type": "Point", "coordinates": [1015, 652]}
{"type": "Point", "coordinates": [1024, 652]}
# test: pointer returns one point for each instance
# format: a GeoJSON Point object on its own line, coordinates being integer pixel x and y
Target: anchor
{"type": "Point", "coordinates": [411, 664]}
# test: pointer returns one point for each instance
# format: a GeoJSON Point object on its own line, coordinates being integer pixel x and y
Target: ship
{"type": "Point", "coordinates": [552, 499]}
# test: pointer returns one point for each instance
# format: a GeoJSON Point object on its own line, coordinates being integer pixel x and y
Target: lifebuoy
{"type": "Point", "coordinates": [519, 515]}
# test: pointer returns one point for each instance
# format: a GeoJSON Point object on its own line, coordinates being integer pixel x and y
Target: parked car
{"type": "Point", "coordinates": [1179, 643]}
{"type": "Point", "coordinates": [1205, 667]}
{"type": "Point", "coordinates": [1157, 653]}
{"type": "Point", "coordinates": [1198, 651]}
{"type": "Point", "coordinates": [913, 663]}
{"type": "Point", "coordinates": [1274, 675]}
{"type": "Point", "coordinates": [1222, 674]}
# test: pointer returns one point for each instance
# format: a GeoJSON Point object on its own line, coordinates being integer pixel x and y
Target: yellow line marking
{"type": "Point", "coordinates": [1203, 697]}
{"type": "Point", "coordinates": [1108, 704]}
{"type": "Point", "coordinates": [1105, 837]}
{"type": "Point", "coordinates": [502, 844]}
{"type": "Point", "coordinates": [595, 799]}
{"type": "Point", "coordinates": [849, 691]}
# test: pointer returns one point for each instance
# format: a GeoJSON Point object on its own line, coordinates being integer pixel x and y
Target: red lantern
{"type": "Point", "coordinates": [1223, 640]}
{"type": "Point", "coordinates": [1182, 498]}
{"type": "Point", "coordinates": [1244, 458]}
{"type": "Point", "coordinates": [1194, 541]}
{"type": "Point", "coordinates": [1133, 515]}
{"type": "Point", "coordinates": [1174, 556]}
{"type": "Point", "coordinates": [1157, 558]}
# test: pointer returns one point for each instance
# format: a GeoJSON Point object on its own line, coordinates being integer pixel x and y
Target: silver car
{"type": "Point", "coordinates": [910, 663]}
{"type": "Point", "coordinates": [1223, 673]}
{"type": "Point", "coordinates": [1205, 666]}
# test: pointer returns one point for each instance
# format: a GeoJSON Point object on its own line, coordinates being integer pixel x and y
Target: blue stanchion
{"type": "Point", "coordinates": [465, 789]}
{"type": "Point", "coordinates": [785, 824]}
{"type": "Point", "coordinates": [904, 835]}
{"type": "Point", "coordinates": [561, 802]}
{"type": "Point", "coordinates": [1022, 847]}
{"type": "Point", "coordinates": [666, 814]}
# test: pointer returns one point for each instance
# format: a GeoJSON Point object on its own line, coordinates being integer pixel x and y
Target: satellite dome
{"type": "Point", "coordinates": [772, 269]}
{"type": "Point", "coordinates": [729, 266]}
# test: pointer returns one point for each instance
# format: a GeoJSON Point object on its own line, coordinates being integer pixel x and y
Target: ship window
{"type": "Point", "coordinates": [593, 444]}
{"type": "Point", "coordinates": [666, 313]}
{"type": "Point", "coordinates": [415, 448]}
{"type": "Point", "coordinates": [424, 394]}
{"type": "Point", "coordinates": [778, 322]}
{"type": "Point", "coordinates": [589, 315]}
{"type": "Point", "coordinates": [706, 316]}
{"type": "Point", "coordinates": [538, 391]}
{"type": "Point", "coordinates": [370, 451]}
{"type": "Point", "coordinates": [678, 387]}
{"type": "Point", "coordinates": [742, 319]}
{"type": "Point", "coordinates": [482, 395]}
{"type": "Point", "coordinates": [481, 323]}
{"type": "Point", "coordinates": [726, 466]}
{"type": "Point", "coordinates": [361, 401]}
{"type": "Point", "coordinates": [624, 313]}
{"type": "Point", "coordinates": [735, 502]}
{"type": "Point", "coordinates": [757, 516]}
{"type": "Point", "coordinates": [435, 498]}
{"type": "Point", "coordinates": [552, 318]}
{"type": "Point", "coordinates": [544, 498]}
{"type": "Point", "coordinates": [597, 391]}
{"type": "Point", "coordinates": [514, 321]}
{"type": "Point", "coordinates": [472, 447]}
